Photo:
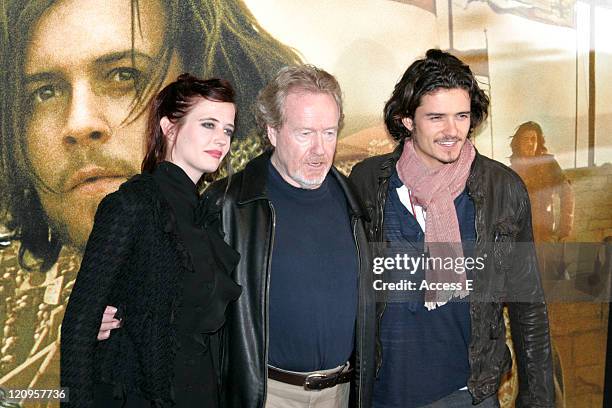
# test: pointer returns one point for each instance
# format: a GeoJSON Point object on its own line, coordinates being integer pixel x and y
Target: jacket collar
{"type": "Point", "coordinates": [255, 177]}
{"type": "Point", "coordinates": [355, 205]}
{"type": "Point", "coordinates": [163, 212]}
{"type": "Point", "coordinates": [474, 181]}
{"type": "Point", "coordinates": [388, 164]}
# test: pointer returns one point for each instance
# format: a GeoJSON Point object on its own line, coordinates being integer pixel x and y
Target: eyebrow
{"type": "Point", "coordinates": [106, 59]}
{"type": "Point", "coordinates": [41, 77]}
{"type": "Point", "coordinates": [444, 114]}
{"type": "Point", "coordinates": [312, 129]}
{"type": "Point", "coordinates": [121, 55]}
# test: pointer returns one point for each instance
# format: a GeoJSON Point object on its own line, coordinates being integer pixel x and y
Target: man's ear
{"type": "Point", "coordinates": [168, 128]}
{"type": "Point", "coordinates": [408, 123]}
{"type": "Point", "coordinates": [272, 134]}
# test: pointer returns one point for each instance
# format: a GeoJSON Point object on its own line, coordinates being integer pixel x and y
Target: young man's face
{"type": "Point", "coordinates": [306, 143]}
{"type": "Point", "coordinates": [440, 126]}
{"type": "Point", "coordinates": [528, 143]}
{"type": "Point", "coordinates": [80, 84]}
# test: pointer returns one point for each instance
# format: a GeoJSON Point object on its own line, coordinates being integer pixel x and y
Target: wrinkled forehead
{"type": "Point", "coordinates": [311, 109]}
{"type": "Point", "coordinates": [72, 33]}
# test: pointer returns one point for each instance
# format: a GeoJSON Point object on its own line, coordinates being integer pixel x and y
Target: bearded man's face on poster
{"type": "Point", "coordinates": [84, 135]}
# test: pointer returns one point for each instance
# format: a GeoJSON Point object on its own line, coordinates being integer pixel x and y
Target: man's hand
{"type": "Point", "coordinates": [108, 323]}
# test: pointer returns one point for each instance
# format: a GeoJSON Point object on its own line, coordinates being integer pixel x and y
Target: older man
{"type": "Point", "coordinates": [303, 328]}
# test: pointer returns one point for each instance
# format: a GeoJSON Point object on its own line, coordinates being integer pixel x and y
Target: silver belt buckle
{"type": "Point", "coordinates": [307, 383]}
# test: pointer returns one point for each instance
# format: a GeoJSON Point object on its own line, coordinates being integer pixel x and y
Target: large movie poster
{"type": "Point", "coordinates": [77, 75]}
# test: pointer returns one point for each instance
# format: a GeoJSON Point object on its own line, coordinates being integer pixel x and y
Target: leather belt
{"type": "Point", "coordinates": [314, 381]}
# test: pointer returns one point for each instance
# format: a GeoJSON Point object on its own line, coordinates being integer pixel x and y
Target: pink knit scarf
{"type": "Point", "coordinates": [435, 190]}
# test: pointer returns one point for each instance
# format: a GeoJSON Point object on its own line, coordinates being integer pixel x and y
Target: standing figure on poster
{"type": "Point", "coordinates": [545, 183]}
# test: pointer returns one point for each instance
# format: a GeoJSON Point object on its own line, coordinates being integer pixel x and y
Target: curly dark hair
{"type": "Point", "coordinates": [438, 70]}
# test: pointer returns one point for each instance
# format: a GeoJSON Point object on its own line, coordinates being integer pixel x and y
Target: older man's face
{"type": "Point", "coordinates": [81, 85]}
{"type": "Point", "coordinates": [306, 143]}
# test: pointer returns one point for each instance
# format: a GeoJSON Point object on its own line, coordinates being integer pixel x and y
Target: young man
{"type": "Point", "coordinates": [448, 348]}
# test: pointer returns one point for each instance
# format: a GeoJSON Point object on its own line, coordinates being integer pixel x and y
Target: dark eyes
{"type": "Point", "coordinates": [45, 93]}
{"type": "Point", "coordinates": [124, 74]}
{"type": "Point", "coordinates": [461, 116]}
{"type": "Point", "coordinates": [211, 125]}
{"type": "Point", "coordinates": [117, 81]}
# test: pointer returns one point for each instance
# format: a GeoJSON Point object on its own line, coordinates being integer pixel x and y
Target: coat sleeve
{"type": "Point", "coordinates": [107, 250]}
{"type": "Point", "coordinates": [529, 319]}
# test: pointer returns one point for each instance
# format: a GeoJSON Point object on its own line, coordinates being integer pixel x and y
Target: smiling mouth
{"type": "Point", "coordinates": [447, 143]}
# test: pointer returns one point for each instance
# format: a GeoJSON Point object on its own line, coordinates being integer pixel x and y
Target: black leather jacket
{"type": "Point", "coordinates": [248, 221]}
{"type": "Point", "coordinates": [503, 217]}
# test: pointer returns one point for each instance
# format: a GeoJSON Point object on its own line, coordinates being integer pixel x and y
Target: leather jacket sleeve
{"type": "Point", "coordinates": [529, 319]}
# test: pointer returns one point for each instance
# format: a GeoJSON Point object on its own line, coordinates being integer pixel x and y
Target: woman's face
{"type": "Point", "coordinates": [82, 68]}
{"type": "Point", "coordinates": [201, 139]}
{"type": "Point", "coordinates": [528, 143]}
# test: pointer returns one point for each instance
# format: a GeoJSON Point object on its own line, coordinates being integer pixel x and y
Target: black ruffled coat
{"type": "Point", "coordinates": [134, 259]}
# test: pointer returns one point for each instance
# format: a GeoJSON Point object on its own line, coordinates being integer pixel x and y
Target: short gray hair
{"type": "Point", "coordinates": [270, 104]}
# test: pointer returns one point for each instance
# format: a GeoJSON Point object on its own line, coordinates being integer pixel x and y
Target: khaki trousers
{"type": "Point", "coordinates": [282, 395]}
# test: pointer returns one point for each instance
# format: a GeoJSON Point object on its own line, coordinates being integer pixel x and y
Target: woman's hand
{"type": "Point", "coordinates": [108, 323]}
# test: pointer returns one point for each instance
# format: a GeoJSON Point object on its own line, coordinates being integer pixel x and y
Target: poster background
{"type": "Point", "coordinates": [538, 69]}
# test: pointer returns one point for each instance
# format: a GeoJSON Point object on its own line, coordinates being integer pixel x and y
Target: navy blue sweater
{"type": "Point", "coordinates": [425, 353]}
{"type": "Point", "coordinates": [313, 281]}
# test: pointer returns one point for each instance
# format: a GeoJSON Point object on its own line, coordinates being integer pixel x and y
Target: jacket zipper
{"type": "Point", "coordinates": [382, 200]}
{"type": "Point", "coordinates": [359, 289]}
{"type": "Point", "coordinates": [267, 301]}
{"type": "Point", "coordinates": [476, 216]}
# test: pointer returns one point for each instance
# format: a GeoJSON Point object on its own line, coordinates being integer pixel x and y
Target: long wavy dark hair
{"type": "Point", "coordinates": [516, 139]}
{"type": "Point", "coordinates": [438, 70]}
{"type": "Point", "coordinates": [214, 39]}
